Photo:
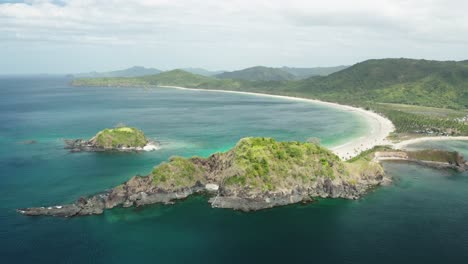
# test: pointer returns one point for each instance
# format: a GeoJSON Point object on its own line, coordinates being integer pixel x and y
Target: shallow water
{"type": "Point", "coordinates": [420, 218]}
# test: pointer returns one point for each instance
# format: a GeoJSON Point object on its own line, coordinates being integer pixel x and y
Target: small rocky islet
{"type": "Point", "coordinates": [258, 173]}
{"type": "Point", "coordinates": [113, 139]}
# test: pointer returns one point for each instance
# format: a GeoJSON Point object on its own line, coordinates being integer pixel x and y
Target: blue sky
{"type": "Point", "coordinates": [67, 36]}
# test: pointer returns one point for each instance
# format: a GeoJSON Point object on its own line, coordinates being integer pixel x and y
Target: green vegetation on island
{"type": "Point", "coordinates": [263, 164]}
{"type": "Point", "coordinates": [128, 137]}
{"type": "Point", "coordinates": [177, 172]}
{"type": "Point", "coordinates": [120, 138]}
{"type": "Point", "coordinates": [257, 173]}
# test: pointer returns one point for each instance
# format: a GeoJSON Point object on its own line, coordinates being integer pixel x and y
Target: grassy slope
{"type": "Point", "coordinates": [264, 164]}
{"type": "Point", "coordinates": [122, 136]}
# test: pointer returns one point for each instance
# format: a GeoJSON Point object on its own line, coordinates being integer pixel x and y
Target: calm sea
{"type": "Point", "coordinates": [421, 218]}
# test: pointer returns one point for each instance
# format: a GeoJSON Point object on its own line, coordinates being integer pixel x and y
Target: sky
{"type": "Point", "coordinates": [70, 36]}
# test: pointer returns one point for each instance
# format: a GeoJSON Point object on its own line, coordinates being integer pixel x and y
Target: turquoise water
{"type": "Point", "coordinates": [419, 219]}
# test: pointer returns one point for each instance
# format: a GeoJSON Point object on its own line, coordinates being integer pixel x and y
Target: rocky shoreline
{"type": "Point", "coordinates": [258, 173]}
{"type": "Point", "coordinates": [82, 145]}
{"type": "Point", "coordinates": [134, 193]}
{"type": "Point", "coordinates": [276, 174]}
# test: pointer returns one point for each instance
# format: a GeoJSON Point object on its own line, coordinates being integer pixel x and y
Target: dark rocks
{"type": "Point", "coordinates": [60, 210]}
{"type": "Point", "coordinates": [239, 179]}
{"type": "Point", "coordinates": [78, 145]}
{"type": "Point", "coordinates": [460, 167]}
{"type": "Point", "coordinates": [125, 196]}
{"type": "Point", "coordinates": [255, 204]}
{"type": "Point", "coordinates": [28, 142]}
{"type": "Point", "coordinates": [438, 159]}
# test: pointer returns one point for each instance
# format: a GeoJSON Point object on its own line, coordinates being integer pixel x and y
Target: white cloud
{"type": "Point", "coordinates": [257, 29]}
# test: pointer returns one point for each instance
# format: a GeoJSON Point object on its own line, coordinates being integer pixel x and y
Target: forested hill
{"type": "Point", "coordinates": [426, 91]}
{"type": "Point", "coordinates": [303, 73]}
{"type": "Point", "coordinates": [406, 81]}
{"type": "Point", "coordinates": [258, 73]}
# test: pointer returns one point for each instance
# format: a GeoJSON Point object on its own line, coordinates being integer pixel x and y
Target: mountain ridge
{"type": "Point", "coordinates": [134, 71]}
{"type": "Point", "coordinates": [257, 73]}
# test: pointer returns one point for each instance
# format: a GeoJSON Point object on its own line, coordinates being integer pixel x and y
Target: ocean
{"type": "Point", "coordinates": [420, 218]}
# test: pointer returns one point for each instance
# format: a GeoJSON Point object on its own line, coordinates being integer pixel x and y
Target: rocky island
{"type": "Point", "coordinates": [113, 139]}
{"type": "Point", "coordinates": [258, 173]}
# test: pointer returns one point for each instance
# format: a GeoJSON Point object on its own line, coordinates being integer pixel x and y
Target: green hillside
{"type": "Point", "coordinates": [201, 71]}
{"type": "Point", "coordinates": [184, 79]}
{"type": "Point", "coordinates": [303, 73]}
{"type": "Point", "coordinates": [386, 86]}
{"type": "Point", "coordinates": [258, 73]}
{"type": "Point", "coordinates": [405, 81]}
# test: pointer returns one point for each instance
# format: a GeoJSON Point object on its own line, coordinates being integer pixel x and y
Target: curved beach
{"type": "Point", "coordinates": [380, 127]}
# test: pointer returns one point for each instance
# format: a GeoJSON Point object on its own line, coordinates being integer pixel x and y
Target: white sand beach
{"type": "Point", "coordinates": [380, 127]}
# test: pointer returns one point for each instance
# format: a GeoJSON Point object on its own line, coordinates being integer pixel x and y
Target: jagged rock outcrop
{"type": "Point", "coordinates": [116, 139]}
{"type": "Point", "coordinates": [257, 173]}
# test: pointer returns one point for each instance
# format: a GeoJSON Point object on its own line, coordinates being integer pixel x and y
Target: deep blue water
{"type": "Point", "coordinates": [420, 218]}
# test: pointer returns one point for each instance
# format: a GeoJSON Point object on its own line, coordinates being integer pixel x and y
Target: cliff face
{"type": "Point", "coordinates": [257, 173]}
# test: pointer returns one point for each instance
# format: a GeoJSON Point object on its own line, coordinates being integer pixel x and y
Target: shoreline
{"type": "Point", "coordinates": [380, 127]}
{"type": "Point", "coordinates": [405, 143]}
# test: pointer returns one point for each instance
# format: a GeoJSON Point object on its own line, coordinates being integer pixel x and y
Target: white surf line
{"type": "Point", "coordinates": [405, 143]}
{"type": "Point", "coordinates": [380, 127]}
